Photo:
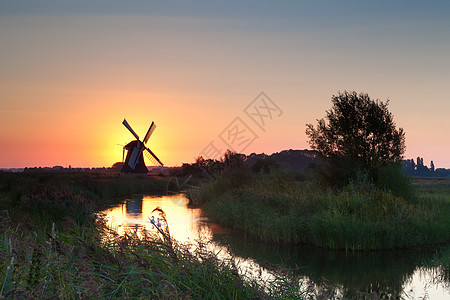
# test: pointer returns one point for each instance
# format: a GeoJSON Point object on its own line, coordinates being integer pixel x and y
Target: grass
{"type": "Point", "coordinates": [277, 208]}
{"type": "Point", "coordinates": [43, 198]}
{"type": "Point", "coordinates": [75, 264]}
{"type": "Point", "coordinates": [53, 245]}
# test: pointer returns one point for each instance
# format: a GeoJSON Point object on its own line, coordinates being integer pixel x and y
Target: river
{"type": "Point", "coordinates": [408, 274]}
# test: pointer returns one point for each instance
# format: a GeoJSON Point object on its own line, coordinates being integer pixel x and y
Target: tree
{"type": "Point", "coordinates": [233, 160]}
{"type": "Point", "coordinates": [117, 166]}
{"type": "Point", "coordinates": [358, 132]}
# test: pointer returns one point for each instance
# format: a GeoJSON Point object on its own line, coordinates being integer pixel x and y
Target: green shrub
{"type": "Point", "coordinates": [337, 172]}
{"type": "Point", "coordinates": [390, 177]}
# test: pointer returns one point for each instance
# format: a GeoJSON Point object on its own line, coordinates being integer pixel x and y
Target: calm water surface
{"type": "Point", "coordinates": [409, 274]}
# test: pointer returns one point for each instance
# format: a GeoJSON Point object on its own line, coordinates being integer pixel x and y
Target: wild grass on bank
{"type": "Point", "coordinates": [74, 263]}
{"type": "Point", "coordinates": [43, 198]}
{"type": "Point", "coordinates": [53, 246]}
{"type": "Point", "coordinates": [359, 216]}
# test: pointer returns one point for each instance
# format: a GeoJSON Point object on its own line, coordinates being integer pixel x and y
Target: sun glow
{"type": "Point", "coordinates": [68, 80]}
{"type": "Point", "coordinates": [182, 222]}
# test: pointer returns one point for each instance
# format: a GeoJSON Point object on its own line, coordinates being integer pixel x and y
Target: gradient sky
{"type": "Point", "coordinates": [70, 71]}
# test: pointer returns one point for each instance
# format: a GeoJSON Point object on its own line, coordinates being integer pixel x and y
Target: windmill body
{"type": "Point", "coordinates": [134, 162]}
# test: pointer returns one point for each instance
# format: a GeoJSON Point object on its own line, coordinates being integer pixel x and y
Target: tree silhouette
{"type": "Point", "coordinates": [117, 166]}
{"type": "Point", "coordinates": [358, 133]}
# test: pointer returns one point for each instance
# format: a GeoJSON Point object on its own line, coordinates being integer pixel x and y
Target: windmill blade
{"type": "Point", "coordinates": [134, 157]}
{"type": "Point", "coordinates": [125, 123]}
{"type": "Point", "coordinates": [149, 132]}
{"type": "Point", "coordinates": [152, 157]}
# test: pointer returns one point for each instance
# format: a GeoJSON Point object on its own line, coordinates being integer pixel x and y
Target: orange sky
{"type": "Point", "coordinates": [67, 79]}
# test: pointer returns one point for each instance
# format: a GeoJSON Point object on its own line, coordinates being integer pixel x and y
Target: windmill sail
{"type": "Point", "coordinates": [149, 132]}
{"type": "Point", "coordinates": [125, 123]}
{"type": "Point", "coordinates": [134, 157]}
{"type": "Point", "coordinates": [152, 157]}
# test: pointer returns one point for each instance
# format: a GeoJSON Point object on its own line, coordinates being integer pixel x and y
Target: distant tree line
{"type": "Point", "coordinates": [298, 160]}
{"type": "Point", "coordinates": [69, 169]}
{"type": "Point", "coordinates": [418, 168]}
{"type": "Point", "coordinates": [115, 168]}
{"type": "Point", "coordinates": [211, 167]}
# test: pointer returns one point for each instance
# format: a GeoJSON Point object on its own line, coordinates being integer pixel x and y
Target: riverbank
{"type": "Point", "coordinates": [277, 208]}
{"type": "Point", "coordinates": [42, 198]}
{"type": "Point", "coordinates": [53, 245]}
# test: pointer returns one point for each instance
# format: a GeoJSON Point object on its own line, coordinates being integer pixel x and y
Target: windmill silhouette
{"type": "Point", "coordinates": [134, 162]}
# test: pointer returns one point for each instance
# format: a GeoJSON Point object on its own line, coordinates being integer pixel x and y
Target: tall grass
{"type": "Point", "coordinates": [359, 216]}
{"type": "Point", "coordinates": [53, 246]}
{"type": "Point", "coordinates": [75, 264]}
{"type": "Point", "coordinates": [43, 198]}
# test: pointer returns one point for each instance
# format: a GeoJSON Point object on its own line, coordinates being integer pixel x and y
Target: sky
{"type": "Point", "coordinates": [241, 75]}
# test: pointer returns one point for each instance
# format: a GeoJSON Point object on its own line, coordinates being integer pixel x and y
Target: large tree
{"type": "Point", "coordinates": [359, 131]}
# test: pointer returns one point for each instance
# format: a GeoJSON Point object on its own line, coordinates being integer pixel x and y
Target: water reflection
{"type": "Point", "coordinates": [185, 224]}
{"type": "Point", "coordinates": [409, 274]}
{"type": "Point", "coordinates": [134, 207]}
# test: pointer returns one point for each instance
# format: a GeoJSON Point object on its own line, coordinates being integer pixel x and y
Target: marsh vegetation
{"type": "Point", "coordinates": [275, 207]}
{"type": "Point", "coordinates": [54, 245]}
{"type": "Point", "coordinates": [405, 273]}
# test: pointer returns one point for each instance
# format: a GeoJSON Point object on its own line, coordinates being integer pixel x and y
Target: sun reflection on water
{"type": "Point", "coordinates": [184, 224]}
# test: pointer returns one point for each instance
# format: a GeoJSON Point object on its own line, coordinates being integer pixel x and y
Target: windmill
{"type": "Point", "coordinates": [134, 162]}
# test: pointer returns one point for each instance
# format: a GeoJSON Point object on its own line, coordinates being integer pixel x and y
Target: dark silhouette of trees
{"type": "Point", "coordinates": [264, 165]}
{"type": "Point", "coordinates": [408, 166]}
{"type": "Point", "coordinates": [233, 160]}
{"type": "Point", "coordinates": [117, 166]}
{"type": "Point", "coordinates": [420, 167]}
{"type": "Point", "coordinates": [213, 168]}
{"type": "Point", "coordinates": [202, 167]}
{"type": "Point", "coordinates": [421, 170]}
{"type": "Point", "coordinates": [357, 134]}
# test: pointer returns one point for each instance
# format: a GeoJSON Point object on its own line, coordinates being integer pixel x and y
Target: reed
{"type": "Point", "coordinates": [78, 263]}
{"type": "Point", "coordinates": [68, 252]}
{"type": "Point", "coordinates": [43, 198]}
{"type": "Point", "coordinates": [358, 217]}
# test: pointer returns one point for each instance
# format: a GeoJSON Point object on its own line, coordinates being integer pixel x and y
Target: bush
{"type": "Point", "coordinates": [337, 172]}
{"type": "Point", "coordinates": [264, 165]}
{"type": "Point", "coordinates": [391, 178]}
